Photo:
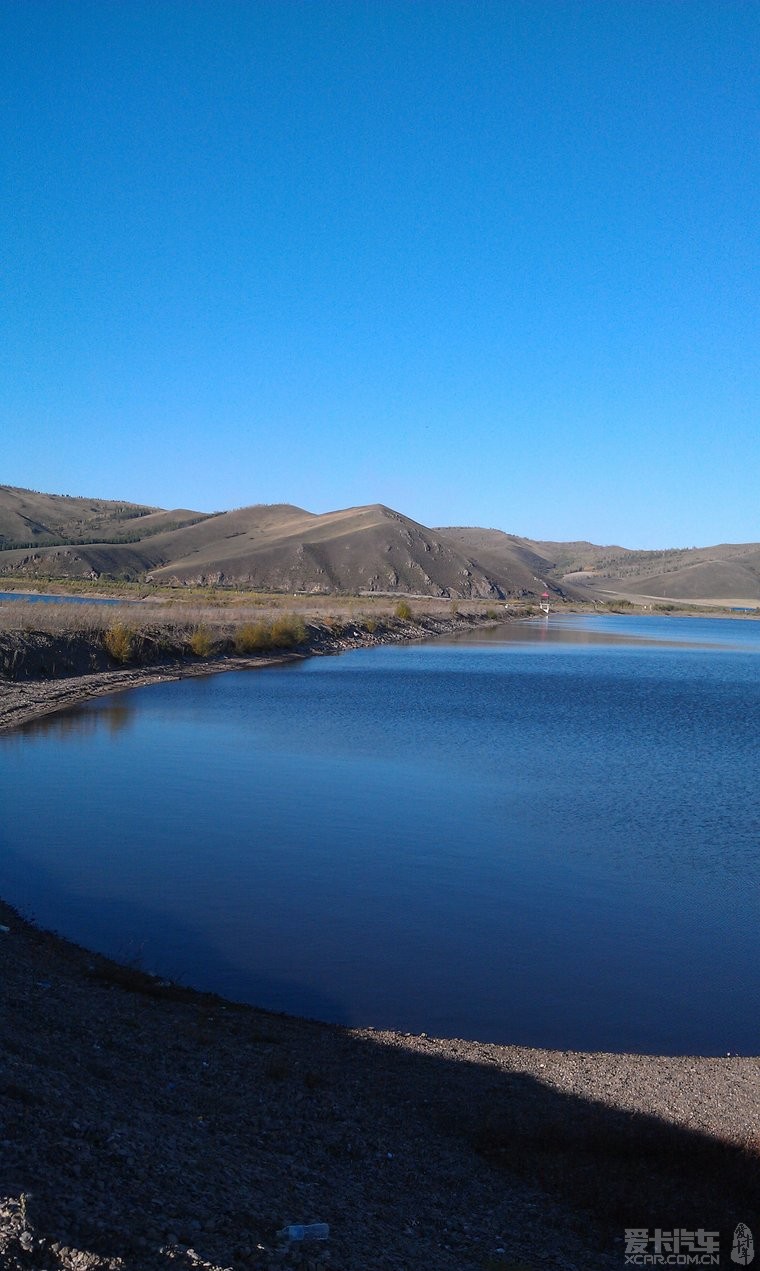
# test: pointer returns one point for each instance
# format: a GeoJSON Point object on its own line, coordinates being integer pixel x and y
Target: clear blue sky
{"type": "Point", "coordinates": [489, 263]}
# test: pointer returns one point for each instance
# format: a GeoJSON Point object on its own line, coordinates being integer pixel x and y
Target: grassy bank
{"type": "Point", "coordinates": [48, 641]}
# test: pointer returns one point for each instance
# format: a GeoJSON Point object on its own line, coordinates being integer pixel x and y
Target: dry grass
{"type": "Point", "coordinates": [310, 606]}
{"type": "Point", "coordinates": [44, 640]}
{"type": "Point", "coordinates": [201, 641]}
{"type": "Point", "coordinates": [119, 642]}
{"type": "Point", "coordinates": [226, 617]}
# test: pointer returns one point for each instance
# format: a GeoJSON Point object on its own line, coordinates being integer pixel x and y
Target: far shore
{"type": "Point", "coordinates": [146, 1126]}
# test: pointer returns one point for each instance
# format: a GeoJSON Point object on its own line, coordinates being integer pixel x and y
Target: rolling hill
{"type": "Point", "coordinates": [726, 572]}
{"type": "Point", "coordinates": [279, 547]}
{"type": "Point", "coordinates": [29, 519]}
{"type": "Point", "coordinates": [267, 547]}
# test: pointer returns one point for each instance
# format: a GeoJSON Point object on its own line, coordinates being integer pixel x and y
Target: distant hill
{"type": "Point", "coordinates": [727, 571]}
{"type": "Point", "coordinates": [279, 547]}
{"type": "Point", "coordinates": [29, 519]}
{"type": "Point", "coordinates": [267, 547]}
{"type": "Point", "coordinates": [569, 557]}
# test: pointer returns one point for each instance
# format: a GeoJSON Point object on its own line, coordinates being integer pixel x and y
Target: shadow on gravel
{"type": "Point", "coordinates": [616, 1169]}
{"type": "Point", "coordinates": [610, 1169]}
{"type": "Point", "coordinates": [600, 1170]}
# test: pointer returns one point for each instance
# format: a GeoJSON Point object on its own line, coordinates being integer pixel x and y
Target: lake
{"type": "Point", "coordinates": [36, 597]}
{"type": "Point", "coordinates": [546, 833]}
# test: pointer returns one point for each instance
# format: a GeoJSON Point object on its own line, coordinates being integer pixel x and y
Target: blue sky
{"type": "Point", "coordinates": [488, 263]}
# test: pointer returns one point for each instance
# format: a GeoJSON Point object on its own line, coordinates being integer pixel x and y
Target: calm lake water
{"type": "Point", "coordinates": [35, 597]}
{"type": "Point", "coordinates": [545, 833]}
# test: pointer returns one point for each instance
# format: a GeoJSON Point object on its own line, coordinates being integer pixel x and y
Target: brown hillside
{"type": "Point", "coordinates": [514, 561]}
{"type": "Point", "coordinates": [715, 579]}
{"type": "Point", "coordinates": [365, 549]}
{"type": "Point", "coordinates": [167, 537]}
{"type": "Point", "coordinates": [579, 555]}
{"type": "Point", "coordinates": [27, 517]}
{"type": "Point", "coordinates": [722, 572]}
{"type": "Point", "coordinates": [285, 548]}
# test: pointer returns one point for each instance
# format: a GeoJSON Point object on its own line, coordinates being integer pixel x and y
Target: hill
{"type": "Point", "coordinates": [280, 547]}
{"type": "Point", "coordinates": [727, 571]}
{"type": "Point", "coordinates": [507, 556]}
{"type": "Point", "coordinates": [364, 549]}
{"type": "Point", "coordinates": [267, 547]}
{"type": "Point", "coordinates": [29, 519]}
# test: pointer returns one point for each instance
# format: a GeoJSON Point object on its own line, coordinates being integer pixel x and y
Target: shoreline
{"type": "Point", "coordinates": [119, 1090]}
{"type": "Point", "coordinates": [24, 700]}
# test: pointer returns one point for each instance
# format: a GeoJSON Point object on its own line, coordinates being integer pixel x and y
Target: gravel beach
{"type": "Point", "coordinates": [145, 1126]}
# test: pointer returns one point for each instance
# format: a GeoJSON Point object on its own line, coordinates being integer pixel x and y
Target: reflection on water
{"type": "Point", "coordinates": [112, 715]}
{"type": "Point", "coordinates": [585, 630]}
{"type": "Point", "coordinates": [548, 631]}
{"type": "Point", "coordinates": [550, 843]}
